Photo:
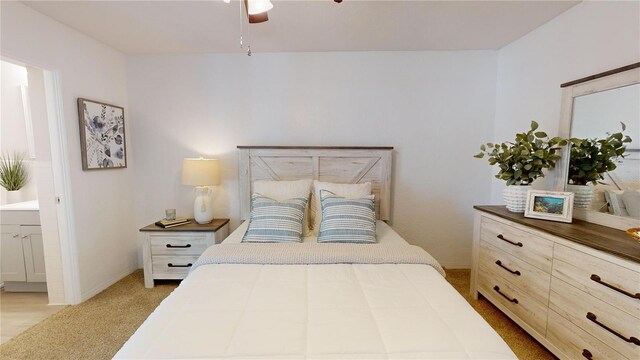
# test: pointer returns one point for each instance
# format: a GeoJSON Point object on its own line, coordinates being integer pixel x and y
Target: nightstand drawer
{"type": "Point", "coordinates": [524, 245]}
{"type": "Point", "coordinates": [178, 245]}
{"type": "Point", "coordinates": [525, 276]}
{"type": "Point", "coordinates": [615, 284]}
{"type": "Point", "coordinates": [172, 267]}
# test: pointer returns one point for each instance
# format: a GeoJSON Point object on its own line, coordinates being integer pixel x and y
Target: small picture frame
{"type": "Point", "coordinates": [102, 137]}
{"type": "Point", "coordinates": [549, 205]}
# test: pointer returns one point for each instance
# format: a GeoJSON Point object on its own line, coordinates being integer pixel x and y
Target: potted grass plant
{"type": "Point", "coordinates": [13, 175]}
{"type": "Point", "coordinates": [522, 161]}
{"type": "Point", "coordinates": [590, 159]}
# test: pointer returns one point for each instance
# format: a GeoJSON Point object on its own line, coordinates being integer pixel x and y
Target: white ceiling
{"type": "Point", "coordinates": [142, 27]}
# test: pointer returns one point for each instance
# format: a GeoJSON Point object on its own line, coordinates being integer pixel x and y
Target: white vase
{"type": "Point", "coordinates": [515, 196]}
{"type": "Point", "coordinates": [14, 196]}
{"type": "Point", "coordinates": [583, 195]}
{"type": "Point", "coordinates": [202, 209]}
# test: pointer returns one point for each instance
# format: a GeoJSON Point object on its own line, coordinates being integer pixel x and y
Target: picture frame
{"type": "Point", "coordinates": [549, 205]}
{"type": "Point", "coordinates": [102, 135]}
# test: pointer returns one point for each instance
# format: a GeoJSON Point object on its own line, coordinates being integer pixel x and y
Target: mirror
{"type": "Point", "coordinates": [593, 109]}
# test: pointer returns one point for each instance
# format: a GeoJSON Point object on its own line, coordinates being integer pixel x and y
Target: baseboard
{"type": "Point", "coordinates": [456, 266]}
{"type": "Point", "coordinates": [23, 286]}
{"type": "Point", "coordinates": [98, 288]}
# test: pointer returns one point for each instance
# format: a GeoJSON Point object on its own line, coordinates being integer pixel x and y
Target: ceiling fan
{"type": "Point", "coordinates": [257, 10]}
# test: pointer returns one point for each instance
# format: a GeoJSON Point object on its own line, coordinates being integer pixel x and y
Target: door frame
{"type": "Point", "coordinates": [61, 172]}
{"type": "Point", "coordinates": [62, 184]}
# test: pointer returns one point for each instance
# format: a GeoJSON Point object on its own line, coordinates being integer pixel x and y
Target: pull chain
{"type": "Point", "coordinates": [240, 3]}
{"type": "Point", "coordinates": [241, 38]}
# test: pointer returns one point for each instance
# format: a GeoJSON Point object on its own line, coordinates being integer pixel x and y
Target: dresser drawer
{"type": "Point", "coordinates": [497, 290]}
{"type": "Point", "coordinates": [593, 275]}
{"type": "Point", "coordinates": [178, 245]}
{"type": "Point", "coordinates": [525, 276]}
{"type": "Point", "coordinates": [172, 267]}
{"type": "Point", "coordinates": [576, 343]}
{"type": "Point", "coordinates": [529, 247]}
{"type": "Point", "coordinates": [594, 316]}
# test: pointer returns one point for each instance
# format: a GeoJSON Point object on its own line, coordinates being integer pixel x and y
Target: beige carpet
{"type": "Point", "coordinates": [97, 328]}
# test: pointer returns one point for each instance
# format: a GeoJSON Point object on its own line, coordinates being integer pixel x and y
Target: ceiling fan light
{"type": "Point", "coordinates": [259, 6]}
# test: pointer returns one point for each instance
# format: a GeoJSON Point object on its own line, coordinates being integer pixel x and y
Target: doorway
{"type": "Point", "coordinates": [36, 131]}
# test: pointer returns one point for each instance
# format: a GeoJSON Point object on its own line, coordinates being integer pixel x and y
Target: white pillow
{"type": "Point", "coordinates": [285, 190]}
{"type": "Point", "coordinates": [631, 200]}
{"type": "Point", "coordinates": [349, 191]}
{"type": "Point", "coordinates": [616, 205]}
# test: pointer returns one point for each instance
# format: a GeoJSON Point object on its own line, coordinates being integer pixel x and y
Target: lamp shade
{"type": "Point", "coordinates": [200, 172]}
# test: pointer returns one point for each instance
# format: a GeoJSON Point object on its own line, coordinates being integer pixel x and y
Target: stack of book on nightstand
{"type": "Point", "coordinates": [171, 223]}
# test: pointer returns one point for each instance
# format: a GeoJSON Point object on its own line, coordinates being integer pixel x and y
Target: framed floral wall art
{"type": "Point", "coordinates": [102, 137]}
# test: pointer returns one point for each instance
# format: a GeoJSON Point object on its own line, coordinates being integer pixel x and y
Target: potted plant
{"type": "Point", "coordinates": [589, 160]}
{"type": "Point", "coordinates": [521, 162]}
{"type": "Point", "coordinates": [13, 175]}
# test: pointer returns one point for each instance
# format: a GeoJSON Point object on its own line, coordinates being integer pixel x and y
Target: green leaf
{"type": "Point", "coordinates": [483, 148]}
{"type": "Point", "coordinates": [624, 127]}
{"type": "Point", "coordinates": [541, 134]}
{"type": "Point", "coordinates": [478, 155]}
{"type": "Point", "coordinates": [534, 125]}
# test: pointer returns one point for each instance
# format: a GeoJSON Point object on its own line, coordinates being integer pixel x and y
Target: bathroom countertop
{"type": "Point", "coordinates": [22, 206]}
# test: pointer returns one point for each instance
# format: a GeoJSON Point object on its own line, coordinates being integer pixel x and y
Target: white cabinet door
{"type": "Point", "coordinates": [33, 253]}
{"type": "Point", "coordinates": [11, 255]}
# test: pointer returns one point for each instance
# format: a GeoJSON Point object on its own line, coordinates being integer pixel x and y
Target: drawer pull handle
{"type": "Point", "coordinates": [587, 354]}
{"type": "Point", "coordinates": [509, 241]}
{"type": "Point", "coordinates": [632, 339]}
{"type": "Point", "coordinates": [171, 265]}
{"type": "Point", "coordinates": [497, 289]}
{"type": "Point", "coordinates": [178, 246]}
{"type": "Point", "coordinates": [499, 263]}
{"type": "Point", "coordinates": [597, 279]}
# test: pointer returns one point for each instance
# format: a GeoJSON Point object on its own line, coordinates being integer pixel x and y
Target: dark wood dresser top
{"type": "Point", "coordinates": [609, 240]}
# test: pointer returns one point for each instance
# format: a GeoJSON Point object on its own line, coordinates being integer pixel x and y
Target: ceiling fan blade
{"type": "Point", "coordinates": [257, 18]}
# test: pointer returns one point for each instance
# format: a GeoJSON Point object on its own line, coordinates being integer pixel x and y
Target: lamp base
{"type": "Point", "coordinates": [202, 209]}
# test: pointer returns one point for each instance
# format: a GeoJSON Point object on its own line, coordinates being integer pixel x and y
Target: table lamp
{"type": "Point", "coordinates": [201, 173]}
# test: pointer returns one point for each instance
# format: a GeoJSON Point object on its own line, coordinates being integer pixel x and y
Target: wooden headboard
{"type": "Point", "coordinates": [350, 165]}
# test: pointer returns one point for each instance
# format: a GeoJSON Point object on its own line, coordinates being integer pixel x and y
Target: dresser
{"type": "Point", "coordinates": [169, 253]}
{"type": "Point", "coordinates": [574, 287]}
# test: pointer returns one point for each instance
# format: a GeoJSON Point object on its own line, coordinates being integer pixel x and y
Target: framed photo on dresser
{"type": "Point", "coordinates": [549, 205]}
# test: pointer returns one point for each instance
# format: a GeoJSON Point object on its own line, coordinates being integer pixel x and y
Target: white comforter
{"type": "Point", "coordinates": [339, 311]}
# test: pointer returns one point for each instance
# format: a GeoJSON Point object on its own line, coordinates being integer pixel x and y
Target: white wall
{"type": "Point", "coordinates": [589, 38]}
{"type": "Point", "coordinates": [433, 107]}
{"type": "Point", "coordinates": [13, 129]}
{"type": "Point", "coordinates": [102, 200]}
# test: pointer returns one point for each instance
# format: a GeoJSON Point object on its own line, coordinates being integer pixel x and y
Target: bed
{"type": "Point", "coordinates": [377, 301]}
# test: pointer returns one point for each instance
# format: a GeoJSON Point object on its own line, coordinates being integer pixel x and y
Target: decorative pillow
{"type": "Point", "coordinates": [631, 200]}
{"type": "Point", "coordinates": [347, 220]}
{"type": "Point", "coordinates": [349, 191]}
{"type": "Point", "coordinates": [284, 190]}
{"type": "Point", "coordinates": [275, 221]}
{"type": "Point", "coordinates": [616, 205]}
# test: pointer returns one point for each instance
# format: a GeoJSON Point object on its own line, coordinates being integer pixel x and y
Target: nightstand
{"type": "Point", "coordinates": [169, 253]}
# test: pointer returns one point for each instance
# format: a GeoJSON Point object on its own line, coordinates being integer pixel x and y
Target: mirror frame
{"type": "Point", "coordinates": [623, 76]}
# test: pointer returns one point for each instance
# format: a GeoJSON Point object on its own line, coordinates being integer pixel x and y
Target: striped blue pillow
{"type": "Point", "coordinates": [347, 220]}
{"type": "Point", "coordinates": [275, 221]}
